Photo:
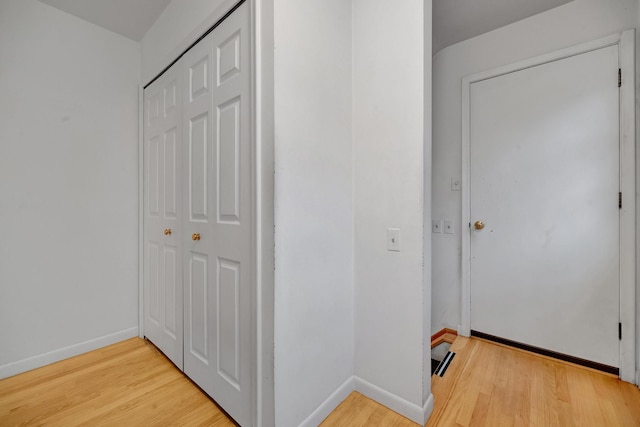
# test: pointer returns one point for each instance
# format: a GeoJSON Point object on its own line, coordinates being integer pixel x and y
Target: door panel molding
{"type": "Point", "coordinates": [258, 65]}
{"type": "Point", "coordinates": [161, 258]}
{"type": "Point", "coordinates": [626, 44]}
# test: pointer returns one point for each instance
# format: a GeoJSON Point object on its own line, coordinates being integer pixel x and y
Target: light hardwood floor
{"type": "Point", "coordinates": [127, 384]}
{"type": "Point", "coordinates": [132, 384]}
{"type": "Point", "coordinates": [359, 411]}
{"type": "Point", "coordinates": [488, 384]}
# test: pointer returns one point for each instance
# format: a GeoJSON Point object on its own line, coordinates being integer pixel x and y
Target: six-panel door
{"type": "Point", "coordinates": [163, 305]}
{"type": "Point", "coordinates": [216, 214]}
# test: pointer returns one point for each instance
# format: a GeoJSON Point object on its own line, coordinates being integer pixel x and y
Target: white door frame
{"type": "Point", "coordinates": [261, 31]}
{"type": "Point", "coordinates": [626, 44]}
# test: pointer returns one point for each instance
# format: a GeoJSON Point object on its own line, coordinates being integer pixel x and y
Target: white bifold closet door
{"type": "Point", "coordinates": [217, 225]}
{"type": "Point", "coordinates": [163, 303]}
{"type": "Point", "coordinates": [216, 217]}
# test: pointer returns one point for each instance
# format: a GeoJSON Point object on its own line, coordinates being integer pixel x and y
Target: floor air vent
{"type": "Point", "coordinates": [434, 365]}
{"type": "Point", "coordinates": [444, 365]}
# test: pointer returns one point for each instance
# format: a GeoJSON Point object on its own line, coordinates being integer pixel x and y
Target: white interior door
{"type": "Point", "coordinates": [218, 215]}
{"type": "Point", "coordinates": [544, 180]}
{"type": "Point", "coordinates": [163, 306]}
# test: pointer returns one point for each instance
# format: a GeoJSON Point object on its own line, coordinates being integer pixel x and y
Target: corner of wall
{"type": "Point", "coordinates": [427, 408]}
{"type": "Point", "coordinates": [262, 13]}
{"type": "Point", "coordinates": [637, 94]}
{"type": "Point", "coordinates": [397, 404]}
{"type": "Point", "coordinates": [427, 195]}
{"type": "Point", "coordinates": [321, 412]}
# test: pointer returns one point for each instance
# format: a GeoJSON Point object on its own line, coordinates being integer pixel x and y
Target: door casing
{"type": "Point", "coordinates": [626, 44]}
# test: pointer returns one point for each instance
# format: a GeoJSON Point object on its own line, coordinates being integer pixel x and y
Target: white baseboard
{"type": "Point", "coordinates": [24, 365]}
{"type": "Point", "coordinates": [427, 409]}
{"type": "Point", "coordinates": [397, 404]}
{"type": "Point", "coordinates": [329, 404]}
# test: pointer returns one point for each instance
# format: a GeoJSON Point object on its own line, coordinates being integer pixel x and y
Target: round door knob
{"type": "Point", "coordinates": [167, 232]}
{"type": "Point", "coordinates": [479, 225]}
{"type": "Point", "coordinates": [195, 236]}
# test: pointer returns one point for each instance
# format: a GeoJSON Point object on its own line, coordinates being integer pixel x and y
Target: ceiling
{"type": "Point", "coordinates": [129, 18]}
{"type": "Point", "coordinates": [458, 20]}
{"type": "Point", "coordinates": [453, 20]}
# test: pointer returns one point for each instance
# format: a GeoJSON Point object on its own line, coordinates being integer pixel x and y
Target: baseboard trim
{"type": "Point", "coordinates": [443, 335]}
{"type": "Point", "coordinates": [427, 409]}
{"type": "Point", "coordinates": [24, 365]}
{"type": "Point", "coordinates": [331, 403]}
{"type": "Point", "coordinates": [397, 404]}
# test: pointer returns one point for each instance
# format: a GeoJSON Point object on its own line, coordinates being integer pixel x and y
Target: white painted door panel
{"type": "Point", "coordinates": [544, 178]}
{"type": "Point", "coordinates": [197, 131]}
{"type": "Point", "coordinates": [218, 209]}
{"type": "Point", "coordinates": [163, 306]}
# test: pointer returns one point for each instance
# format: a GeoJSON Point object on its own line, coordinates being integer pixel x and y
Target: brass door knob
{"type": "Point", "coordinates": [195, 236]}
{"type": "Point", "coordinates": [479, 225]}
{"type": "Point", "coordinates": [167, 232]}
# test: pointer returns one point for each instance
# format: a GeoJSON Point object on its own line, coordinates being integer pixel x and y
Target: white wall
{"type": "Point", "coordinates": [68, 186]}
{"type": "Point", "coordinates": [426, 226]}
{"type": "Point", "coordinates": [313, 207]}
{"type": "Point", "coordinates": [317, 152]}
{"type": "Point", "coordinates": [388, 137]}
{"type": "Point", "coordinates": [179, 25]}
{"type": "Point", "coordinates": [264, 34]}
{"type": "Point", "coordinates": [637, 196]}
{"type": "Point", "coordinates": [573, 23]}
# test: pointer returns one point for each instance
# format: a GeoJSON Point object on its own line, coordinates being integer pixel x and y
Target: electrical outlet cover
{"type": "Point", "coordinates": [448, 227]}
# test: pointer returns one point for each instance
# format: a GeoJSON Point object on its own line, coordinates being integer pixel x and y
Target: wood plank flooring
{"type": "Point", "coordinates": [488, 384]}
{"type": "Point", "coordinates": [127, 384]}
{"type": "Point", "coordinates": [133, 384]}
{"type": "Point", "coordinates": [359, 411]}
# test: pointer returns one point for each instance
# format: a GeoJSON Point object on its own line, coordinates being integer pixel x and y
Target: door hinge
{"type": "Point", "coordinates": [620, 331]}
{"type": "Point", "coordinates": [620, 200]}
{"type": "Point", "coordinates": [619, 77]}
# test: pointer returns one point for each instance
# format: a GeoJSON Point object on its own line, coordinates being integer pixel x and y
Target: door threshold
{"type": "Point", "coordinates": [548, 353]}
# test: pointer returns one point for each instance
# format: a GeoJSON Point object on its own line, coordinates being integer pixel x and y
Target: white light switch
{"type": "Point", "coordinates": [448, 226]}
{"type": "Point", "coordinates": [436, 226]}
{"type": "Point", "coordinates": [393, 239]}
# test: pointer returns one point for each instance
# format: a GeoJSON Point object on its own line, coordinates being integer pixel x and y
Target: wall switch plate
{"type": "Point", "coordinates": [456, 184]}
{"type": "Point", "coordinates": [448, 226]}
{"type": "Point", "coordinates": [436, 226]}
{"type": "Point", "coordinates": [393, 239]}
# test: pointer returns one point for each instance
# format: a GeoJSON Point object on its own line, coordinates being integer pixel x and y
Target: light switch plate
{"type": "Point", "coordinates": [393, 239]}
{"type": "Point", "coordinates": [436, 226]}
{"type": "Point", "coordinates": [456, 184]}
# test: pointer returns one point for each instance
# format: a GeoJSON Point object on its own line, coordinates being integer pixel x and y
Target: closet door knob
{"type": "Point", "coordinates": [167, 232]}
{"type": "Point", "coordinates": [195, 236]}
